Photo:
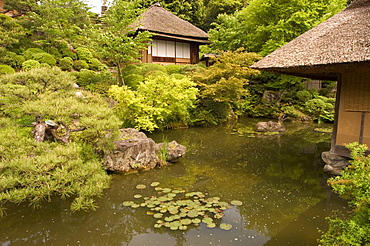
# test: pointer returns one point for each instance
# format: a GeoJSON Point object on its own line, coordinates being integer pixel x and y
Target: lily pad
{"type": "Point", "coordinates": [196, 221]}
{"type": "Point", "coordinates": [171, 194]}
{"type": "Point", "coordinates": [127, 203]}
{"type": "Point", "coordinates": [168, 219]}
{"type": "Point", "coordinates": [166, 190]}
{"type": "Point", "coordinates": [186, 221]}
{"type": "Point", "coordinates": [157, 225]}
{"type": "Point", "coordinates": [225, 226]}
{"type": "Point", "coordinates": [211, 225]}
{"type": "Point", "coordinates": [183, 227]}
{"type": "Point", "coordinates": [236, 202]}
{"type": "Point", "coordinates": [140, 186]}
{"type": "Point", "coordinates": [193, 213]}
{"type": "Point", "coordinates": [174, 227]}
{"type": "Point", "coordinates": [207, 220]}
{"type": "Point", "coordinates": [135, 205]}
{"type": "Point", "coordinates": [158, 215]}
{"type": "Point", "coordinates": [137, 196]}
{"type": "Point", "coordinates": [154, 184]}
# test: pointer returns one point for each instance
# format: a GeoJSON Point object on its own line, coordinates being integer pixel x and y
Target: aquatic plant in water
{"type": "Point", "coordinates": [177, 209]}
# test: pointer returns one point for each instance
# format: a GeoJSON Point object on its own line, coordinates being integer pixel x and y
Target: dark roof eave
{"type": "Point", "coordinates": [320, 71]}
{"type": "Point", "coordinates": [313, 75]}
{"type": "Point", "coordinates": [203, 40]}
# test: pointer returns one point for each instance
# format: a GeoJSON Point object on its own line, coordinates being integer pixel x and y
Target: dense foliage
{"type": "Point", "coordinates": [353, 185]}
{"type": "Point", "coordinates": [223, 86]}
{"type": "Point", "coordinates": [34, 172]}
{"type": "Point", "coordinates": [159, 101]}
{"type": "Point", "coordinates": [265, 25]}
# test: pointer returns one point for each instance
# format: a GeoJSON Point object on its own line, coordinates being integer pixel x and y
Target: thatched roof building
{"type": "Point", "coordinates": [163, 23]}
{"type": "Point", "coordinates": [339, 44]}
{"type": "Point", "coordinates": [337, 49]}
{"type": "Point", "coordinates": [175, 40]}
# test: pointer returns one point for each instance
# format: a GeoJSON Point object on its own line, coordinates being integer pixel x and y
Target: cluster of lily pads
{"type": "Point", "coordinates": [177, 209]}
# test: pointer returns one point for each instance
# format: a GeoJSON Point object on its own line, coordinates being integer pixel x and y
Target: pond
{"type": "Point", "coordinates": [278, 179]}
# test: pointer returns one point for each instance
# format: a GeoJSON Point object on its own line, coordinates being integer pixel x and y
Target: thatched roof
{"type": "Point", "coordinates": [338, 44]}
{"type": "Point", "coordinates": [163, 23]}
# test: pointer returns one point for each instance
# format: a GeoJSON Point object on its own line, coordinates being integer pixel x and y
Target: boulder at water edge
{"type": "Point", "coordinates": [138, 152]}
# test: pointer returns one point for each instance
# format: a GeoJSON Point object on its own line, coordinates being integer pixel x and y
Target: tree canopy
{"type": "Point", "coordinates": [265, 25]}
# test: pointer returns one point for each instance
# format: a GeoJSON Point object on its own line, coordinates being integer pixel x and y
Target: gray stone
{"type": "Point", "coordinates": [334, 163]}
{"type": "Point", "coordinates": [135, 151]}
{"type": "Point", "coordinates": [173, 151]}
{"type": "Point", "coordinates": [270, 126]}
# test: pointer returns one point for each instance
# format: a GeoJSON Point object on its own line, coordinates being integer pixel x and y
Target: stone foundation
{"type": "Point", "coordinates": [334, 163]}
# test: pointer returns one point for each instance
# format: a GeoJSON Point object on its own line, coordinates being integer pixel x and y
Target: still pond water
{"type": "Point", "coordinates": [279, 179]}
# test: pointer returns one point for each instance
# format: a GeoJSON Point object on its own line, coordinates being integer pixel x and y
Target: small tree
{"type": "Point", "coordinates": [224, 83]}
{"type": "Point", "coordinates": [116, 39]}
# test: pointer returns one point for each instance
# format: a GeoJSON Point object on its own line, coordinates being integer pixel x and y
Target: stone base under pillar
{"type": "Point", "coordinates": [334, 163]}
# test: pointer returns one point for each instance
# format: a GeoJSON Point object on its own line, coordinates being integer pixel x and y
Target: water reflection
{"type": "Point", "coordinates": [279, 179]}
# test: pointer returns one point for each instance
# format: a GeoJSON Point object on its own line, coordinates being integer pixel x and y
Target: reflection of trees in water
{"type": "Point", "coordinates": [275, 176]}
{"type": "Point", "coordinates": [277, 179]}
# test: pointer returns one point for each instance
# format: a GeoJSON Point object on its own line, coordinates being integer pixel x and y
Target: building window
{"type": "Point", "coordinates": [164, 48]}
{"type": "Point", "coordinates": [183, 50]}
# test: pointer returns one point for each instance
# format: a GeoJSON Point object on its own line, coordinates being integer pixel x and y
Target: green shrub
{"type": "Point", "coordinates": [133, 80]}
{"type": "Point", "coordinates": [318, 109]}
{"type": "Point", "coordinates": [149, 68]}
{"type": "Point", "coordinates": [30, 64]}
{"type": "Point", "coordinates": [353, 184]}
{"type": "Point", "coordinates": [54, 52]}
{"type": "Point", "coordinates": [36, 172]}
{"type": "Point", "coordinates": [80, 64]}
{"type": "Point", "coordinates": [171, 69]}
{"type": "Point", "coordinates": [95, 82]}
{"type": "Point", "coordinates": [177, 76]}
{"type": "Point", "coordinates": [66, 63]}
{"type": "Point", "coordinates": [292, 112]}
{"type": "Point", "coordinates": [44, 58]}
{"type": "Point", "coordinates": [96, 65]}
{"type": "Point", "coordinates": [5, 69]}
{"type": "Point", "coordinates": [86, 77]}
{"type": "Point", "coordinates": [133, 69]}
{"type": "Point", "coordinates": [67, 52]}
{"type": "Point", "coordinates": [11, 59]}
{"type": "Point", "coordinates": [29, 53]}
{"type": "Point", "coordinates": [304, 96]}
{"type": "Point", "coordinates": [158, 102]}
{"type": "Point", "coordinates": [84, 54]}
{"type": "Point", "coordinates": [189, 69]}
{"type": "Point", "coordinates": [45, 65]}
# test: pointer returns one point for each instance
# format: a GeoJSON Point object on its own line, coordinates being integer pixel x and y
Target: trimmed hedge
{"type": "Point", "coordinates": [30, 64]}
{"type": "Point", "coordinates": [5, 69]}
{"type": "Point", "coordinates": [80, 64]}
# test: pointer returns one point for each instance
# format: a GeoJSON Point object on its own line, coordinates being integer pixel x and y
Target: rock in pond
{"type": "Point", "coordinates": [269, 126]}
{"type": "Point", "coordinates": [138, 152]}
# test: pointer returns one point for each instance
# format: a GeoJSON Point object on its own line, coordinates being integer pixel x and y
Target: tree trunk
{"type": "Point", "coordinates": [43, 132]}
